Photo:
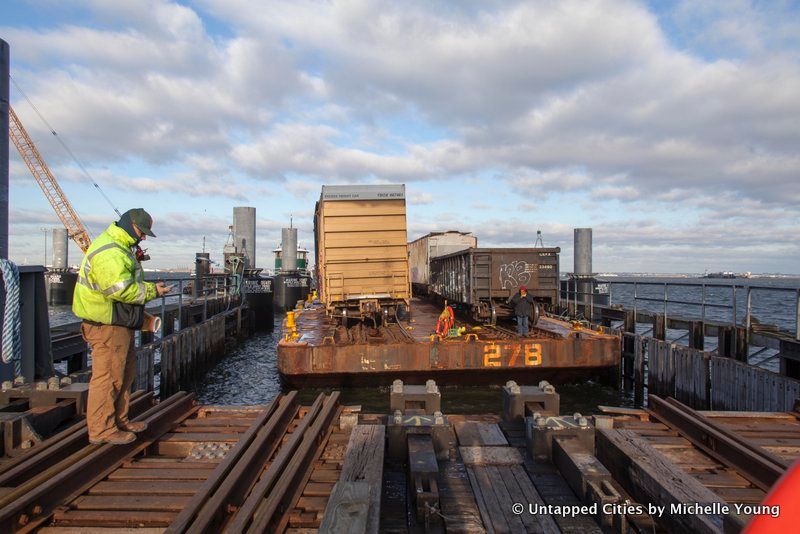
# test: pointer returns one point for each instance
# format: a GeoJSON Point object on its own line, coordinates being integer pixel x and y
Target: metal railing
{"type": "Point", "coordinates": [703, 304]}
{"type": "Point", "coordinates": [212, 285]}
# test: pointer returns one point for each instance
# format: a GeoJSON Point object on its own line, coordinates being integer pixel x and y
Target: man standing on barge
{"type": "Point", "coordinates": [524, 306]}
{"type": "Point", "coordinates": [110, 296]}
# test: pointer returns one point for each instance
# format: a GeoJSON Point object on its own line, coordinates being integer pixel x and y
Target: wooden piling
{"type": "Point", "coordinates": [145, 338]}
{"type": "Point", "coordinates": [638, 367]}
{"type": "Point", "coordinates": [790, 358]}
{"type": "Point", "coordinates": [659, 327]}
{"type": "Point", "coordinates": [742, 350]}
{"type": "Point", "coordinates": [697, 335]}
{"type": "Point", "coordinates": [169, 322]}
{"type": "Point", "coordinates": [628, 348]}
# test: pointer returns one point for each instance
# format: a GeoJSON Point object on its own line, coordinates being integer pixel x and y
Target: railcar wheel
{"type": "Point", "coordinates": [534, 315]}
{"type": "Point", "coordinates": [401, 313]}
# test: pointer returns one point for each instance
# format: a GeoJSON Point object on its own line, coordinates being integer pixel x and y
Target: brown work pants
{"type": "Point", "coordinates": [113, 371]}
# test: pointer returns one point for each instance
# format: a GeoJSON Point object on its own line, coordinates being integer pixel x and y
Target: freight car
{"type": "Point", "coordinates": [480, 280]}
{"type": "Point", "coordinates": [361, 251]}
{"type": "Point", "coordinates": [421, 250]}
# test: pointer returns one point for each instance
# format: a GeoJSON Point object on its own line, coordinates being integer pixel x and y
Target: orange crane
{"type": "Point", "coordinates": [39, 169]}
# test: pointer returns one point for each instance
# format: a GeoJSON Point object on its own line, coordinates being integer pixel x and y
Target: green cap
{"type": "Point", "coordinates": [140, 218]}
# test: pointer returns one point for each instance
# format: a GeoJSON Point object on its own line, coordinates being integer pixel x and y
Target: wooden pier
{"type": "Point", "coordinates": [325, 467]}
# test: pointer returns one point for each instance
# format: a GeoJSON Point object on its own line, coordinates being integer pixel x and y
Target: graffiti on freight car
{"type": "Point", "coordinates": [497, 355]}
{"type": "Point", "coordinates": [516, 273]}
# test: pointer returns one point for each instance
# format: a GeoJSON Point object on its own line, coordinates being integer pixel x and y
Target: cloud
{"type": "Point", "coordinates": [692, 106]}
{"type": "Point", "coordinates": [420, 198]}
{"type": "Point", "coordinates": [311, 150]}
{"type": "Point", "coordinates": [208, 182]}
{"type": "Point", "coordinates": [157, 89]}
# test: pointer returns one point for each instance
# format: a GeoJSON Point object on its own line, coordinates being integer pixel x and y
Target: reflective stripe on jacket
{"type": "Point", "coordinates": [110, 273]}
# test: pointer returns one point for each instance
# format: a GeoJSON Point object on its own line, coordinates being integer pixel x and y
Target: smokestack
{"type": "Point", "coordinates": [582, 268]}
{"type": "Point", "coordinates": [60, 246]}
{"type": "Point", "coordinates": [583, 252]}
{"type": "Point", "coordinates": [244, 234]}
{"type": "Point", "coordinates": [5, 70]}
{"type": "Point", "coordinates": [289, 249]}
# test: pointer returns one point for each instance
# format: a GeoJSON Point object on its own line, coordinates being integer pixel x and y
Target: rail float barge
{"type": "Point", "coordinates": [318, 350]}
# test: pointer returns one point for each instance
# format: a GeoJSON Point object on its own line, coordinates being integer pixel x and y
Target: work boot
{"type": "Point", "coordinates": [133, 427]}
{"type": "Point", "coordinates": [115, 438]}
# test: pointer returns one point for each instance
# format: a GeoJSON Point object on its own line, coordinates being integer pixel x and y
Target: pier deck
{"type": "Point", "coordinates": [325, 353]}
{"type": "Point", "coordinates": [284, 467]}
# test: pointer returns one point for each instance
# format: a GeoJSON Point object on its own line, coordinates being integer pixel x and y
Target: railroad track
{"type": "Point", "coordinates": [736, 455]}
{"type": "Point", "coordinates": [195, 469]}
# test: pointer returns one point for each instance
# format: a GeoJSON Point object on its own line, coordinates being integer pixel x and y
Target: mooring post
{"type": "Point", "coordinates": [697, 336]}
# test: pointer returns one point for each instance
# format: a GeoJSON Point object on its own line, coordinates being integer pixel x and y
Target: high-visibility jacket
{"type": "Point", "coordinates": [111, 281]}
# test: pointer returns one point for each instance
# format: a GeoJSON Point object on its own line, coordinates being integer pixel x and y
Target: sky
{"type": "Point", "coordinates": [670, 128]}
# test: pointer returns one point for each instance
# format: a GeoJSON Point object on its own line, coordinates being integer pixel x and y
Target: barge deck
{"type": "Point", "coordinates": [324, 353]}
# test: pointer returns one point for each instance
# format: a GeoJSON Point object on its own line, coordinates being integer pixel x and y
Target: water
{"type": "Point", "coordinates": [768, 305]}
{"type": "Point", "coordinates": [249, 376]}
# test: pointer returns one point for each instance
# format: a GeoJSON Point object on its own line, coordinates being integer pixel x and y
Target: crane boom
{"type": "Point", "coordinates": [46, 180]}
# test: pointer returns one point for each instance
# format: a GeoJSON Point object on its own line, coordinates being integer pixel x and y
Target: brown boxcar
{"type": "Point", "coordinates": [482, 279]}
{"type": "Point", "coordinates": [361, 251]}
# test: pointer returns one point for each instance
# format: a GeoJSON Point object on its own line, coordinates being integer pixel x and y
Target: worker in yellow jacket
{"type": "Point", "coordinates": [109, 296]}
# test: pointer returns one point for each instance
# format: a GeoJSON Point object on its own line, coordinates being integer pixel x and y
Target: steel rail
{"type": "Point", "coordinates": [406, 334]}
{"type": "Point", "coordinates": [32, 504]}
{"type": "Point", "coordinates": [221, 471]}
{"type": "Point", "coordinates": [243, 516]}
{"type": "Point", "coordinates": [290, 485]}
{"type": "Point", "coordinates": [733, 435]}
{"type": "Point", "coordinates": [755, 465]}
{"type": "Point", "coordinates": [236, 469]}
{"type": "Point", "coordinates": [58, 447]}
{"type": "Point", "coordinates": [505, 333]}
{"type": "Point", "coordinates": [234, 490]}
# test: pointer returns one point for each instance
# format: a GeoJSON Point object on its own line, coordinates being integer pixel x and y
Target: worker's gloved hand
{"type": "Point", "coordinates": [162, 289]}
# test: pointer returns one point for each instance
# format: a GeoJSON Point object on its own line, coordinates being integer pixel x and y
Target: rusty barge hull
{"type": "Point", "coordinates": [324, 354]}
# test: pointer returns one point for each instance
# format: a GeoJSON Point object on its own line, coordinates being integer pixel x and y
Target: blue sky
{"type": "Point", "coordinates": [670, 128]}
